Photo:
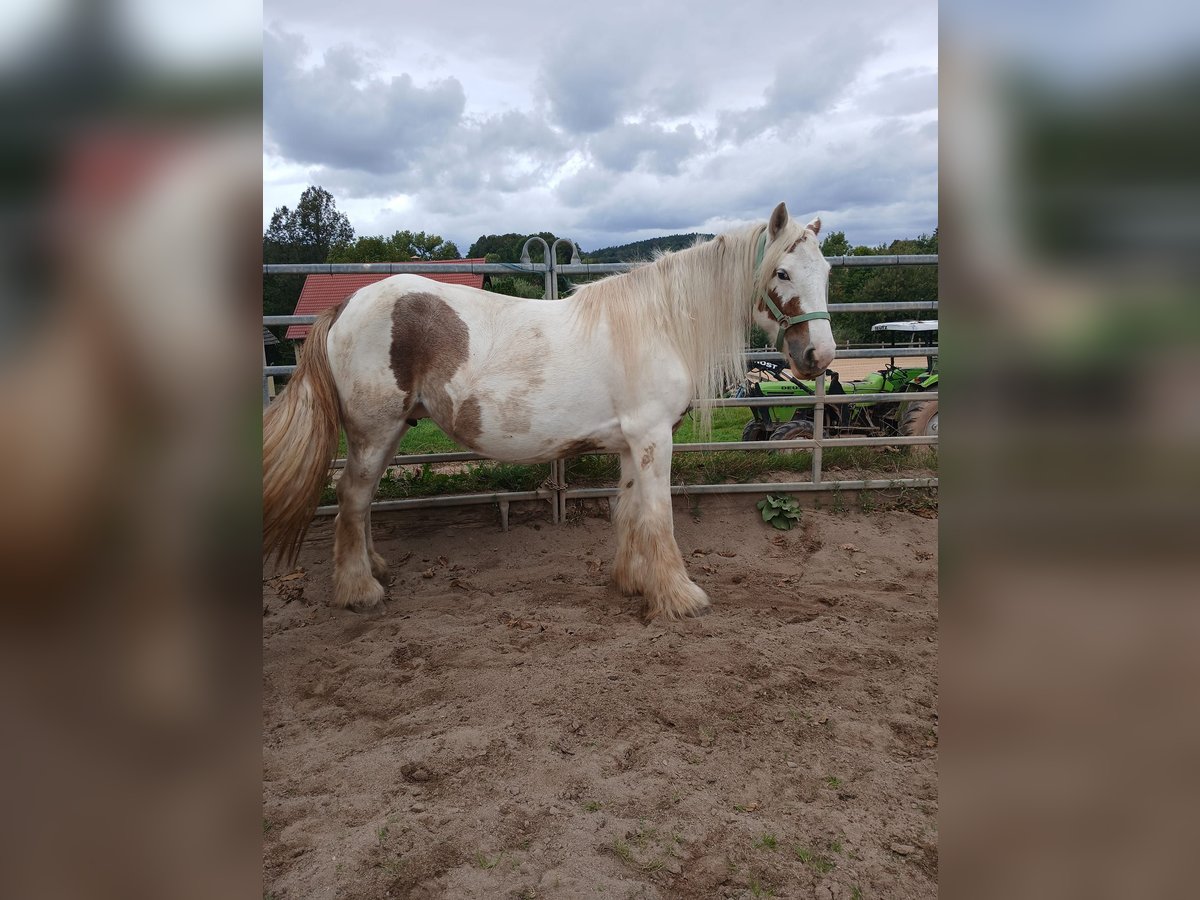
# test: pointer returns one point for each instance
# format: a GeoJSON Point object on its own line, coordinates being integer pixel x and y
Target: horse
{"type": "Point", "coordinates": [613, 367]}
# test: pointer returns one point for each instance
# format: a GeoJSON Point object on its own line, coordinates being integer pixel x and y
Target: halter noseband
{"type": "Point", "coordinates": [785, 322]}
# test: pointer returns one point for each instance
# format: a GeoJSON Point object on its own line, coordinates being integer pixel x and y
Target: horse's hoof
{"type": "Point", "coordinates": [366, 596]}
{"type": "Point", "coordinates": [675, 614]}
{"type": "Point", "coordinates": [369, 607]}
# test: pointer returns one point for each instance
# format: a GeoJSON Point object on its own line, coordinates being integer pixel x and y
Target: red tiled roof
{"type": "Point", "coordinates": [322, 291]}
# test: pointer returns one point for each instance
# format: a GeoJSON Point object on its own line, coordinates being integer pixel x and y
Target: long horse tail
{"type": "Point", "coordinates": [300, 438]}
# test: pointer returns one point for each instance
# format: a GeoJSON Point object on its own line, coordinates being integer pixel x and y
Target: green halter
{"type": "Point", "coordinates": [785, 322]}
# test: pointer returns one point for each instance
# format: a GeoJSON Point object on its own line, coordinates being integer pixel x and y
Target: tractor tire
{"type": "Point", "coordinates": [756, 431]}
{"type": "Point", "coordinates": [921, 419]}
{"type": "Point", "coordinates": [795, 430]}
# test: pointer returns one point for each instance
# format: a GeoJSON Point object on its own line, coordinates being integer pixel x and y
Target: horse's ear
{"type": "Point", "coordinates": [779, 218]}
{"type": "Point", "coordinates": [814, 226]}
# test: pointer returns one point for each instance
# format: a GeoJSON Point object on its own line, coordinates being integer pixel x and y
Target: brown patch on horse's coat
{"type": "Point", "coordinates": [796, 243]}
{"type": "Point", "coordinates": [516, 414]}
{"type": "Point", "coordinates": [648, 456]}
{"type": "Point", "coordinates": [429, 342]}
{"type": "Point", "coordinates": [789, 307]}
{"type": "Point", "coordinates": [802, 336]}
{"type": "Point", "coordinates": [467, 421]}
{"type": "Point", "coordinates": [629, 483]}
{"type": "Point", "coordinates": [527, 357]}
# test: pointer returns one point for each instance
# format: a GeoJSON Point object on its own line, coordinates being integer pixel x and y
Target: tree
{"type": "Point", "coordinates": [312, 229]}
{"type": "Point", "coordinates": [856, 284]}
{"type": "Point", "coordinates": [305, 234]}
{"type": "Point", "coordinates": [507, 247]}
{"type": "Point", "coordinates": [429, 247]}
{"type": "Point", "coordinates": [400, 247]}
{"type": "Point", "coordinates": [835, 244]}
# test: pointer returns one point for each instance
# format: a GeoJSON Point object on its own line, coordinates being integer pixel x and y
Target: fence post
{"type": "Point", "coordinates": [818, 429]}
{"type": "Point", "coordinates": [560, 465]}
{"type": "Point", "coordinates": [548, 292]}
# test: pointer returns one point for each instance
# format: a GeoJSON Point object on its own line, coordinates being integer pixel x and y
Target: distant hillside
{"type": "Point", "coordinates": [641, 251]}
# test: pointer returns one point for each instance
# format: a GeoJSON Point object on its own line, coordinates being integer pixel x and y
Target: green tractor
{"type": "Point", "coordinates": [766, 378]}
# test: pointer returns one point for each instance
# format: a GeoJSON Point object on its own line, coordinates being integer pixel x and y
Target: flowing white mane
{"type": "Point", "coordinates": [699, 300]}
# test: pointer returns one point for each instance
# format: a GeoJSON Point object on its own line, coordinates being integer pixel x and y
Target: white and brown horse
{"type": "Point", "coordinates": [611, 368]}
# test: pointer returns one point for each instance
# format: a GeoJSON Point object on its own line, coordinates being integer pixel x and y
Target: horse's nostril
{"type": "Point", "coordinates": [810, 357]}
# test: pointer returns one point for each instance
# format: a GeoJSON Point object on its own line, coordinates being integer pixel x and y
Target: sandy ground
{"type": "Point", "coordinates": [509, 728]}
{"type": "Point", "coordinates": [853, 369]}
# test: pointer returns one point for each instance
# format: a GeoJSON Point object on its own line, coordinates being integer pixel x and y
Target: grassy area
{"type": "Point", "coordinates": [604, 470]}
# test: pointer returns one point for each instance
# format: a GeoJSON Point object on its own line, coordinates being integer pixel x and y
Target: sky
{"type": "Point", "coordinates": [605, 123]}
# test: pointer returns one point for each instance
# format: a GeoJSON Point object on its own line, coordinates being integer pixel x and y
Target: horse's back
{"type": "Point", "coordinates": [494, 372]}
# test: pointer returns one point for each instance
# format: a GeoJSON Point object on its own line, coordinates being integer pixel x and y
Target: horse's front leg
{"type": "Point", "coordinates": [629, 562]}
{"type": "Point", "coordinates": [658, 565]}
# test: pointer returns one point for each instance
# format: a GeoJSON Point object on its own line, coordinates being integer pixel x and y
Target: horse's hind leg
{"type": "Point", "coordinates": [357, 569]}
{"type": "Point", "coordinates": [379, 566]}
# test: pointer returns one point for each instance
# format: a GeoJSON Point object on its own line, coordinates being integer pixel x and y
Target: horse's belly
{"type": "Point", "coordinates": [532, 447]}
{"type": "Point", "coordinates": [525, 433]}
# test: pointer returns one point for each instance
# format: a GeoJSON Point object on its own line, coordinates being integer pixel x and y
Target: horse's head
{"type": "Point", "coordinates": [793, 283]}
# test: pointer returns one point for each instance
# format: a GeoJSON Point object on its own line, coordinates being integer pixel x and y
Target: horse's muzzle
{"type": "Point", "coordinates": [807, 360]}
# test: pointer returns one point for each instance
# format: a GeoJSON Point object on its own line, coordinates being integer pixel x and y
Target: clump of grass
{"type": "Point", "coordinates": [622, 850]}
{"type": "Point", "coordinates": [815, 861]}
{"type": "Point", "coordinates": [834, 782]}
{"type": "Point", "coordinates": [593, 805]}
{"type": "Point", "coordinates": [391, 866]}
{"type": "Point", "coordinates": [483, 862]}
{"type": "Point", "coordinates": [766, 842]}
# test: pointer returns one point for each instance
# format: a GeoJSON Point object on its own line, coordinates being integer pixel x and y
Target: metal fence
{"type": "Point", "coordinates": [555, 490]}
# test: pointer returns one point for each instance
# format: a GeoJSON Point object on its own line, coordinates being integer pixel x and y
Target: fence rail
{"type": "Point", "coordinates": [557, 492]}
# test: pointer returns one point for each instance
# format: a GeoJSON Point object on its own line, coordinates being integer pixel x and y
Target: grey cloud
{"type": "Point", "coordinates": [768, 112]}
{"type": "Point", "coordinates": [901, 93]}
{"type": "Point", "coordinates": [583, 187]}
{"type": "Point", "coordinates": [370, 136]}
{"type": "Point", "coordinates": [589, 85]}
{"type": "Point", "coordinates": [870, 194]}
{"type": "Point", "coordinates": [677, 98]}
{"type": "Point", "coordinates": [517, 131]}
{"type": "Point", "coordinates": [332, 114]}
{"type": "Point", "coordinates": [623, 148]}
{"type": "Point", "coordinates": [807, 83]}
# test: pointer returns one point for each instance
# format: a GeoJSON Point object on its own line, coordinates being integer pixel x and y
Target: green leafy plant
{"type": "Point", "coordinates": [780, 510]}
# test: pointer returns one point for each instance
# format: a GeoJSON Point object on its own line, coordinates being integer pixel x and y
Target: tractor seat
{"type": "Point", "coordinates": [872, 384]}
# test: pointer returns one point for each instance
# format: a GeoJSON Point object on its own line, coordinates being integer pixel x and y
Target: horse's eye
{"type": "Point", "coordinates": [782, 275]}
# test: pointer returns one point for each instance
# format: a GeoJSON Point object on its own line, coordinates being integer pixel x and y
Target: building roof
{"type": "Point", "coordinates": [323, 291]}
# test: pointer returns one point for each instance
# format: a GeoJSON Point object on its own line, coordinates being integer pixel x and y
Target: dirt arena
{"type": "Point", "coordinates": [509, 728]}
